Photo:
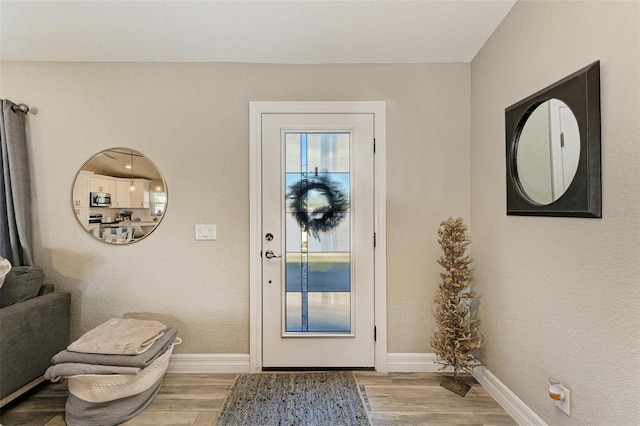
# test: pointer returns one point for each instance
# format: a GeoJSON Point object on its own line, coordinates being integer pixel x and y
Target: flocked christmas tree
{"type": "Point", "coordinates": [457, 342]}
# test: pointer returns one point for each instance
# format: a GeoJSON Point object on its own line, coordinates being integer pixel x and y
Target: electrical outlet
{"type": "Point", "coordinates": [565, 405]}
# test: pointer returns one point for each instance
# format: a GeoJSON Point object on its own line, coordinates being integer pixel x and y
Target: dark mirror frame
{"type": "Point", "coordinates": [583, 198]}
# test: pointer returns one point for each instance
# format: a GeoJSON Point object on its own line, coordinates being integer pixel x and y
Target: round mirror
{"type": "Point", "coordinates": [119, 196]}
{"type": "Point", "coordinates": [548, 151]}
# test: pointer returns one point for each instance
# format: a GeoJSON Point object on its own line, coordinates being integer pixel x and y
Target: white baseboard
{"type": "Point", "coordinates": [209, 363]}
{"type": "Point", "coordinates": [413, 363]}
{"type": "Point", "coordinates": [507, 399]}
{"type": "Point", "coordinates": [239, 363]}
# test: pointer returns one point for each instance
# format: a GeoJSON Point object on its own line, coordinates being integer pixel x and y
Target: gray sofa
{"type": "Point", "coordinates": [33, 327]}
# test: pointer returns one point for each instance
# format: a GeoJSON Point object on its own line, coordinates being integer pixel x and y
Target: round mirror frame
{"type": "Point", "coordinates": [124, 226]}
{"type": "Point", "coordinates": [580, 91]}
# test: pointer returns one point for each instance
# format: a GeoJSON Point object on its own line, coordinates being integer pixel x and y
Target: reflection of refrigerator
{"type": "Point", "coordinates": [565, 146]}
{"type": "Point", "coordinates": [82, 213]}
{"type": "Point", "coordinates": [81, 198]}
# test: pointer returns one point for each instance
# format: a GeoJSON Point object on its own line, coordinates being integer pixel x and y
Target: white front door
{"type": "Point", "coordinates": [317, 240]}
{"type": "Point", "coordinates": [565, 146]}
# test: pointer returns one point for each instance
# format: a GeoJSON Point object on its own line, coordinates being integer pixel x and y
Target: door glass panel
{"type": "Point", "coordinates": [317, 233]}
{"type": "Point", "coordinates": [328, 151]}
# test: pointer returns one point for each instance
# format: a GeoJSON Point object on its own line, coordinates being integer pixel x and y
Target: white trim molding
{"type": "Point", "coordinates": [209, 363]}
{"type": "Point", "coordinates": [517, 409]}
{"type": "Point", "coordinates": [256, 110]}
{"type": "Point", "coordinates": [414, 363]}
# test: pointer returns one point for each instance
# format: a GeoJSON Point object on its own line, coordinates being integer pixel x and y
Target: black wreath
{"type": "Point", "coordinates": [322, 219]}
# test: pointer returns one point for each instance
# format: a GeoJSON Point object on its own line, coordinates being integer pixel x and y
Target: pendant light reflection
{"type": "Point", "coordinates": [132, 187]}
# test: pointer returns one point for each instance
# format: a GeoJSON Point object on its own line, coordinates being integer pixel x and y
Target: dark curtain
{"type": "Point", "coordinates": [15, 188]}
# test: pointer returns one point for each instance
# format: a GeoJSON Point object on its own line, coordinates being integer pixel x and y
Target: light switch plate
{"type": "Point", "coordinates": [205, 232]}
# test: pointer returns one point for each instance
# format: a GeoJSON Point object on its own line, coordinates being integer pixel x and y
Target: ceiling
{"type": "Point", "coordinates": [293, 31]}
{"type": "Point", "coordinates": [117, 162]}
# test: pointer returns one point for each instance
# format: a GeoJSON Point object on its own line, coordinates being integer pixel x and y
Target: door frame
{"type": "Point", "coordinates": [256, 110]}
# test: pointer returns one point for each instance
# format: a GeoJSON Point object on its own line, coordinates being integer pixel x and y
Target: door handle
{"type": "Point", "coordinates": [270, 255]}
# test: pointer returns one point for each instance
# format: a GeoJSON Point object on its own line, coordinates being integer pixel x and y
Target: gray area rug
{"type": "Point", "coordinates": [306, 398]}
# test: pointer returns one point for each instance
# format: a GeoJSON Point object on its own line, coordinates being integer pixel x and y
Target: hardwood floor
{"type": "Point", "coordinates": [196, 399]}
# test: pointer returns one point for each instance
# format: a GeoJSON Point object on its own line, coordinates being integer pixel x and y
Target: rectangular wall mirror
{"type": "Point", "coordinates": [553, 149]}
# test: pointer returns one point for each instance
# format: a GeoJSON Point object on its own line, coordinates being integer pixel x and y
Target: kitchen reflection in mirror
{"type": "Point", "coordinates": [119, 196]}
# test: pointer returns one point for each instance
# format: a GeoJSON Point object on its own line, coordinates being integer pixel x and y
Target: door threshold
{"type": "Point", "coordinates": [318, 369]}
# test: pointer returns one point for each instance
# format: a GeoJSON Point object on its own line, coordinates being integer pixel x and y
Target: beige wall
{"type": "Point", "coordinates": [192, 121]}
{"type": "Point", "coordinates": [560, 296]}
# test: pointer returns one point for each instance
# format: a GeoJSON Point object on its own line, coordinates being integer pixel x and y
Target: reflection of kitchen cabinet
{"type": "Point", "coordinates": [100, 183]}
{"type": "Point", "coordinates": [122, 194]}
{"type": "Point", "coordinates": [81, 190]}
{"type": "Point", "coordinates": [139, 197]}
{"type": "Point", "coordinates": [113, 190]}
{"type": "Point", "coordinates": [83, 216]}
{"type": "Point", "coordinates": [136, 199]}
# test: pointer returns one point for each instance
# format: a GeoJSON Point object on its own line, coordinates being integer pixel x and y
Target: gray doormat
{"type": "Point", "coordinates": [309, 398]}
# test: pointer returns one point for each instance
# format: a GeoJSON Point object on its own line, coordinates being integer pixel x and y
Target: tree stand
{"type": "Point", "coordinates": [455, 386]}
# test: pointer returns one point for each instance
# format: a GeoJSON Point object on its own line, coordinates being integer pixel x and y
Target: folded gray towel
{"type": "Point", "coordinates": [67, 369]}
{"type": "Point", "coordinates": [142, 360]}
